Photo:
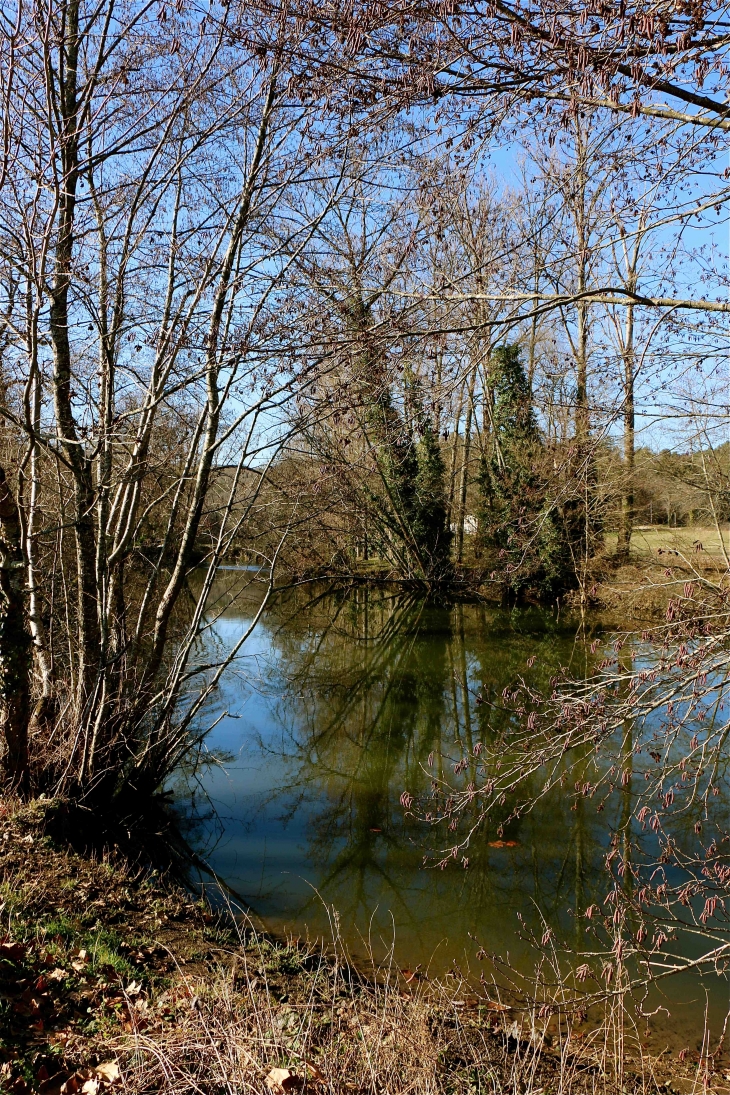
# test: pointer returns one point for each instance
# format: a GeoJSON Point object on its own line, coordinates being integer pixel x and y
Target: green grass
{"type": "Point", "coordinates": [647, 540]}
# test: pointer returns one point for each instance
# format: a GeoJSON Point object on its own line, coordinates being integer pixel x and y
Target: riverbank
{"type": "Point", "coordinates": [114, 978]}
{"type": "Point", "coordinates": [638, 587]}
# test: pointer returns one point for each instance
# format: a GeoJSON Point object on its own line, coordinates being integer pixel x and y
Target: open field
{"type": "Point", "coordinates": [648, 539]}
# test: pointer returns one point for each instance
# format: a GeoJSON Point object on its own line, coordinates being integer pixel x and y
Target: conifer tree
{"type": "Point", "coordinates": [414, 472]}
{"type": "Point", "coordinates": [430, 512]}
{"type": "Point", "coordinates": [518, 524]}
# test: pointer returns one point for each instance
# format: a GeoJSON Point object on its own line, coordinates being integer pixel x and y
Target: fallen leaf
{"type": "Point", "coordinates": [495, 1005]}
{"type": "Point", "coordinates": [504, 843]}
{"type": "Point", "coordinates": [14, 952]}
{"type": "Point", "coordinates": [87, 1081]}
{"type": "Point", "coordinates": [57, 975]}
{"type": "Point", "coordinates": [108, 1072]}
{"type": "Point", "coordinates": [281, 1080]}
{"type": "Point", "coordinates": [134, 988]}
{"type": "Point", "coordinates": [79, 960]}
{"type": "Point", "coordinates": [316, 1074]}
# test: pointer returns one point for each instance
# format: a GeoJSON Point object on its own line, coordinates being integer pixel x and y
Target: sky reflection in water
{"type": "Point", "coordinates": [332, 714]}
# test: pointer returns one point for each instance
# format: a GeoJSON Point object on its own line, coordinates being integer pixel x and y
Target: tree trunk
{"type": "Point", "coordinates": [15, 646]}
{"type": "Point", "coordinates": [626, 522]}
{"type": "Point", "coordinates": [89, 635]}
{"type": "Point", "coordinates": [582, 227]}
{"type": "Point", "coordinates": [464, 481]}
{"type": "Point", "coordinates": [627, 499]}
{"type": "Point", "coordinates": [454, 457]}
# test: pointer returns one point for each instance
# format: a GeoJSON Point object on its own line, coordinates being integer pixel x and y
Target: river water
{"type": "Point", "coordinates": [343, 700]}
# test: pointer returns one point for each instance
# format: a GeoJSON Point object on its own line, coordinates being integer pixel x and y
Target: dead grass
{"type": "Point", "coordinates": [103, 964]}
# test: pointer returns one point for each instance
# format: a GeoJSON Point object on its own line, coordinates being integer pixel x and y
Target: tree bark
{"type": "Point", "coordinates": [464, 479]}
{"type": "Point", "coordinates": [627, 499]}
{"type": "Point", "coordinates": [15, 646]}
{"type": "Point", "coordinates": [89, 636]}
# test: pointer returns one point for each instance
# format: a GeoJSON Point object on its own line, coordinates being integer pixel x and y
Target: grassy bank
{"type": "Point", "coordinates": [112, 978]}
{"type": "Point", "coordinates": [661, 561]}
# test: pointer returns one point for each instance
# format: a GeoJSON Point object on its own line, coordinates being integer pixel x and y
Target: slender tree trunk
{"type": "Point", "coordinates": [454, 457]}
{"type": "Point", "coordinates": [43, 710]}
{"type": "Point", "coordinates": [532, 356]}
{"type": "Point", "coordinates": [582, 416]}
{"type": "Point", "coordinates": [629, 441]}
{"type": "Point", "coordinates": [631, 260]}
{"type": "Point", "coordinates": [29, 478]}
{"type": "Point", "coordinates": [582, 413]}
{"type": "Point", "coordinates": [464, 479]}
{"type": "Point", "coordinates": [89, 637]}
{"type": "Point", "coordinates": [15, 645]}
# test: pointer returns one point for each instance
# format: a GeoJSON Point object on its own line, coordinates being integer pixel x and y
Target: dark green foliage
{"type": "Point", "coordinates": [414, 474]}
{"type": "Point", "coordinates": [513, 416]}
{"type": "Point", "coordinates": [519, 524]}
{"type": "Point", "coordinates": [430, 514]}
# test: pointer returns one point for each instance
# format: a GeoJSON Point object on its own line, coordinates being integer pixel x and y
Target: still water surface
{"type": "Point", "coordinates": [331, 714]}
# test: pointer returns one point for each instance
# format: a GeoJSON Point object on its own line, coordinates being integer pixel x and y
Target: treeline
{"type": "Point", "coordinates": [261, 291]}
{"type": "Point", "coordinates": [516, 509]}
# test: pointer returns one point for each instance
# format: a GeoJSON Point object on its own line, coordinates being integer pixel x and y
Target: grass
{"type": "Point", "coordinates": [648, 540]}
{"type": "Point", "coordinates": [103, 967]}
{"type": "Point", "coordinates": [642, 586]}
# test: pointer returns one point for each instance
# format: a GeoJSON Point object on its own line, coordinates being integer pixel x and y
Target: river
{"type": "Point", "coordinates": [343, 700]}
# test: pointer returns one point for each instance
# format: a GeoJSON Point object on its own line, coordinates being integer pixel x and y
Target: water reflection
{"type": "Point", "coordinates": [343, 700]}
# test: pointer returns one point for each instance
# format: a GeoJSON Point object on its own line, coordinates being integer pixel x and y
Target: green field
{"type": "Point", "coordinates": [647, 539]}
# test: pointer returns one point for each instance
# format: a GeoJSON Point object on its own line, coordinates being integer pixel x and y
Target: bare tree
{"type": "Point", "coordinates": [145, 153]}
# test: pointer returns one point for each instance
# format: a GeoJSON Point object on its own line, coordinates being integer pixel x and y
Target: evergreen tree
{"type": "Point", "coordinates": [429, 519]}
{"type": "Point", "coordinates": [414, 472]}
{"type": "Point", "coordinates": [517, 521]}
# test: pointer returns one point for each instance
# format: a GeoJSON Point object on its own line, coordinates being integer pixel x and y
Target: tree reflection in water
{"type": "Point", "coordinates": [358, 695]}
